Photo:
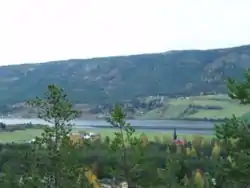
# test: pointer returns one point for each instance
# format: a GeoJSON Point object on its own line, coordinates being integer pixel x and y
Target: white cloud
{"type": "Point", "coordinates": [42, 30]}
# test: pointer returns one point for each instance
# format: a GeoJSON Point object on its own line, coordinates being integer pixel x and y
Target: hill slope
{"type": "Point", "coordinates": [111, 79]}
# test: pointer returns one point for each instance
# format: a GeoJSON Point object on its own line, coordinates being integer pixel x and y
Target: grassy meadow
{"type": "Point", "coordinates": [19, 135]}
{"type": "Point", "coordinates": [179, 108]}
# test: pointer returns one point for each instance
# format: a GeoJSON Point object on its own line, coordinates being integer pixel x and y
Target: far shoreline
{"type": "Point", "coordinates": [128, 119]}
{"type": "Point", "coordinates": [169, 119]}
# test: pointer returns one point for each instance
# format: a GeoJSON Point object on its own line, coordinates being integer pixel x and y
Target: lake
{"type": "Point", "coordinates": [182, 126]}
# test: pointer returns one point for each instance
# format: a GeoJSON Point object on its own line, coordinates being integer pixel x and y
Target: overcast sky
{"type": "Point", "coordinates": [43, 30]}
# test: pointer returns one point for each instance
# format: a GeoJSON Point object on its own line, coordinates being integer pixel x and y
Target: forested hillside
{"type": "Point", "coordinates": [112, 79]}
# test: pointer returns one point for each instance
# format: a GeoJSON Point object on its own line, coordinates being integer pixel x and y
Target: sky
{"type": "Point", "coordinates": [44, 30]}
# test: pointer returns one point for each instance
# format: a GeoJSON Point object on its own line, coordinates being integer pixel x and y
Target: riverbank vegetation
{"type": "Point", "coordinates": [59, 159]}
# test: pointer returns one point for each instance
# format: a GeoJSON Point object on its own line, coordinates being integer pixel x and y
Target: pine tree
{"type": "Point", "coordinates": [124, 139]}
{"type": "Point", "coordinates": [234, 133]}
{"type": "Point", "coordinates": [92, 178]}
{"type": "Point", "coordinates": [59, 168]}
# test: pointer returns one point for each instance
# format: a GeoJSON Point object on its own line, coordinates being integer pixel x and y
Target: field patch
{"type": "Point", "coordinates": [213, 107]}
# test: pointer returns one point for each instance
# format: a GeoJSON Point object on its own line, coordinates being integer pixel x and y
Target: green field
{"type": "Point", "coordinates": [151, 135]}
{"type": "Point", "coordinates": [19, 136]}
{"type": "Point", "coordinates": [180, 108]}
{"type": "Point", "coordinates": [28, 134]}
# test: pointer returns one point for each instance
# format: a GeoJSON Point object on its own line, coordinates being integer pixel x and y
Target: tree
{"type": "Point", "coordinates": [234, 133]}
{"type": "Point", "coordinates": [2, 125]}
{"type": "Point", "coordinates": [174, 134]}
{"type": "Point", "coordinates": [59, 167]}
{"type": "Point", "coordinates": [123, 141]}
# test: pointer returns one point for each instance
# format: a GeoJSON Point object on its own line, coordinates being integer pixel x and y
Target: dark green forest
{"type": "Point", "coordinates": [115, 79]}
{"type": "Point", "coordinates": [58, 159]}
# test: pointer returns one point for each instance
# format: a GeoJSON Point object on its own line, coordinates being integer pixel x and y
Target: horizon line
{"type": "Point", "coordinates": [126, 55]}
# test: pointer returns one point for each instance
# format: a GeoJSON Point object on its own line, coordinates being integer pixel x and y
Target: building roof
{"type": "Point", "coordinates": [179, 142]}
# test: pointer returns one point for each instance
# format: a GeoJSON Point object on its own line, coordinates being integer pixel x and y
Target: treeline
{"type": "Point", "coordinates": [192, 109]}
{"type": "Point", "coordinates": [141, 105]}
{"type": "Point", "coordinates": [60, 159]}
{"type": "Point", "coordinates": [19, 127]}
{"type": "Point", "coordinates": [131, 106]}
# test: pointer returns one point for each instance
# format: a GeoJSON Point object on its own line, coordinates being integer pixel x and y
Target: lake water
{"type": "Point", "coordinates": [188, 127]}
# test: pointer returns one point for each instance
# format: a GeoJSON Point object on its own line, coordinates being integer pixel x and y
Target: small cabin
{"type": "Point", "coordinates": [76, 136]}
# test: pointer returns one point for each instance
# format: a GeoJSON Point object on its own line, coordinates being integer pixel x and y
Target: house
{"type": "Point", "coordinates": [179, 142]}
{"type": "Point", "coordinates": [76, 136]}
{"type": "Point", "coordinates": [87, 136]}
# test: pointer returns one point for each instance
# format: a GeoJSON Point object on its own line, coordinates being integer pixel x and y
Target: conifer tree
{"type": "Point", "coordinates": [235, 134]}
{"type": "Point", "coordinates": [124, 140]}
{"type": "Point", "coordinates": [60, 168]}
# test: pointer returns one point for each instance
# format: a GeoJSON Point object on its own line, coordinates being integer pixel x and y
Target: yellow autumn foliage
{"type": "Point", "coordinates": [193, 152]}
{"type": "Point", "coordinates": [92, 178]}
{"type": "Point", "coordinates": [198, 179]}
{"type": "Point", "coordinates": [216, 150]}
